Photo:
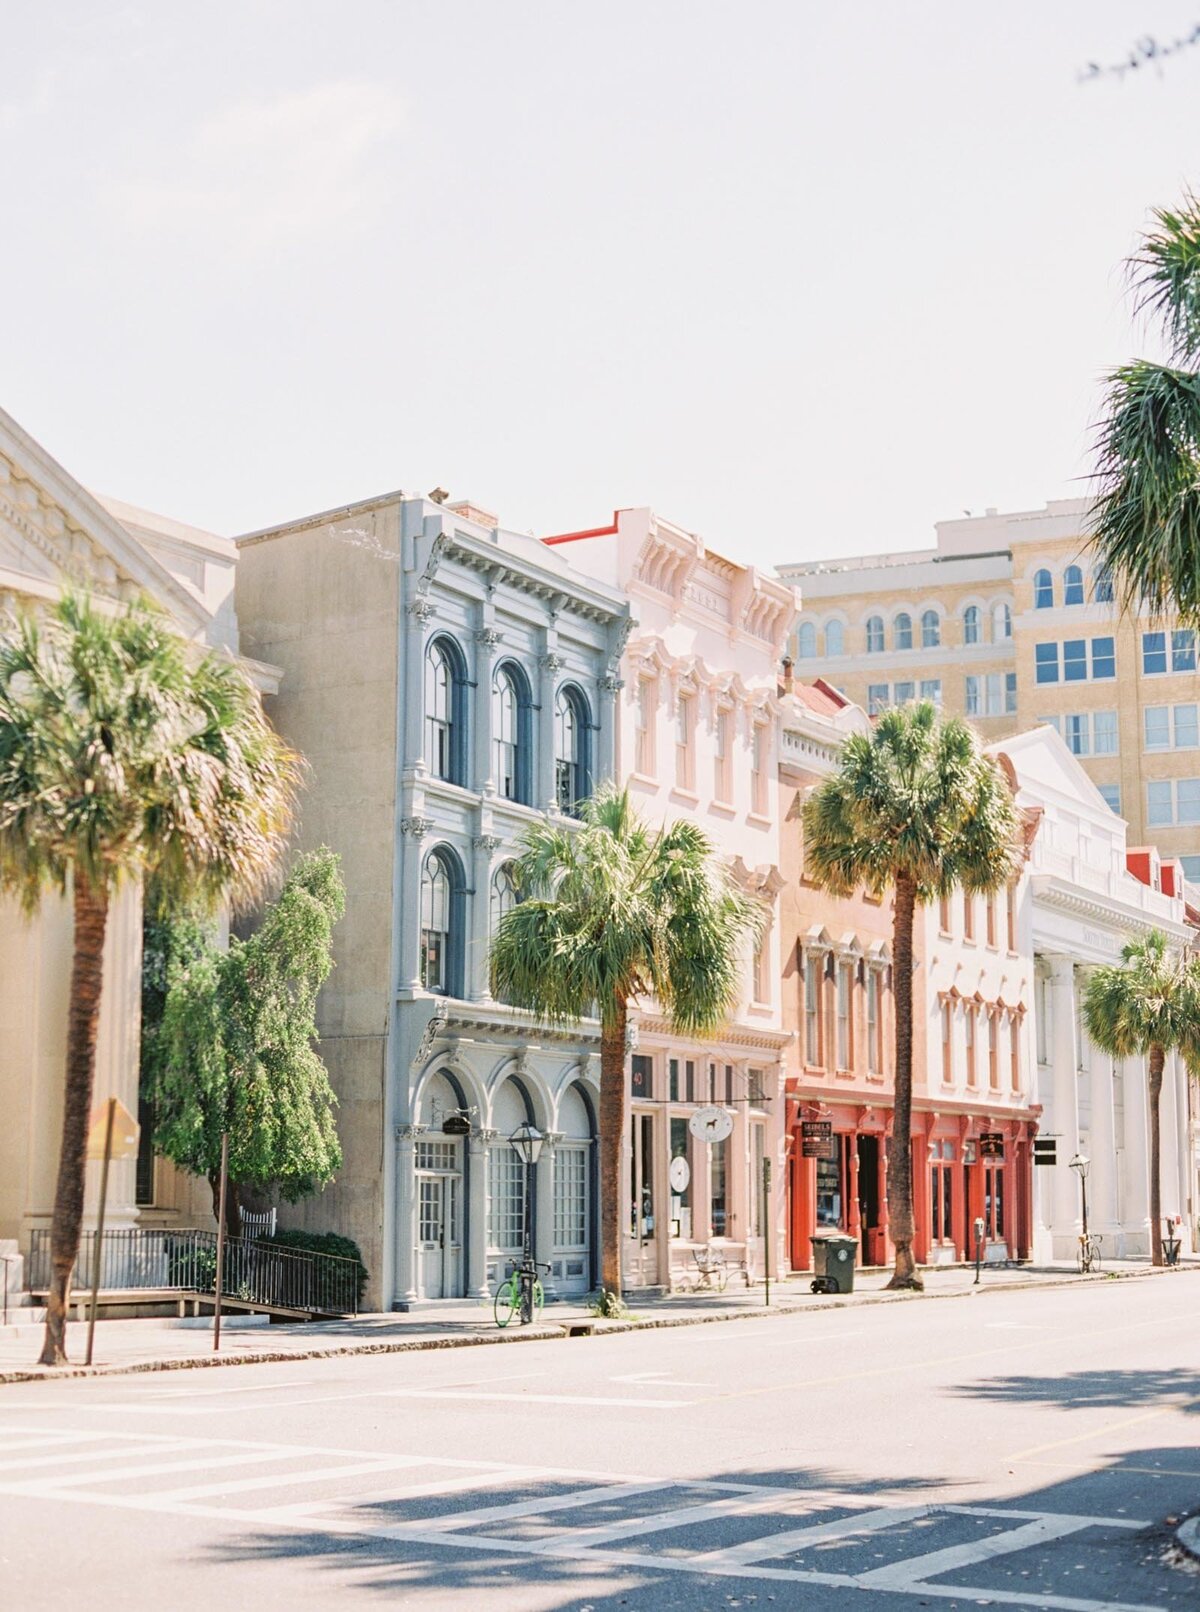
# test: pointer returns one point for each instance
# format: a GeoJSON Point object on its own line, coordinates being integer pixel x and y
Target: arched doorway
{"type": "Point", "coordinates": [439, 1196]}
{"type": "Point", "coordinates": [573, 1195]}
{"type": "Point", "coordinates": [505, 1183]}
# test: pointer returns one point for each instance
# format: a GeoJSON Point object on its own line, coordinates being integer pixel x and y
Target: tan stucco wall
{"type": "Point", "coordinates": [321, 602]}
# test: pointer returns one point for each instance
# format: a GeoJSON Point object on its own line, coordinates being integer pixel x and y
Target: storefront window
{"type": "Point", "coordinates": [829, 1188]}
{"type": "Point", "coordinates": [757, 1155]}
{"type": "Point", "coordinates": [681, 1202]}
{"type": "Point", "coordinates": [993, 1202]}
{"type": "Point", "coordinates": [719, 1167]}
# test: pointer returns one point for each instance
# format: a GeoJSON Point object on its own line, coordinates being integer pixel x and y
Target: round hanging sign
{"type": "Point", "coordinates": [711, 1124]}
{"type": "Point", "coordinates": [679, 1173]}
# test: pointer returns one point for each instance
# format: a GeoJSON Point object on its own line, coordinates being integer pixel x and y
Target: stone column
{"type": "Point", "coordinates": [550, 664]}
{"type": "Point", "coordinates": [1064, 1055]}
{"type": "Point", "coordinates": [543, 1222]}
{"type": "Point", "coordinates": [406, 1205]}
{"type": "Point", "coordinates": [1136, 1219]}
{"type": "Point", "coordinates": [606, 740]}
{"type": "Point", "coordinates": [1102, 1146]}
{"type": "Point", "coordinates": [487, 651]}
{"type": "Point", "coordinates": [413, 830]}
{"type": "Point", "coordinates": [413, 762]}
{"type": "Point", "coordinates": [477, 1153]}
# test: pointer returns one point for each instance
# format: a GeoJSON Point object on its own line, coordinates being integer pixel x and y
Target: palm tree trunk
{"type": "Point", "coordinates": [899, 1175]}
{"type": "Point", "coordinates": [1157, 1060]}
{"type": "Point", "coordinates": [87, 969]}
{"type": "Point", "coordinates": [612, 1143]}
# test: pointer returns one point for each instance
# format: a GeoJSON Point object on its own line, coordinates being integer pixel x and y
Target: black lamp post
{"type": "Point", "coordinates": [527, 1141]}
{"type": "Point", "coordinates": [1081, 1164]}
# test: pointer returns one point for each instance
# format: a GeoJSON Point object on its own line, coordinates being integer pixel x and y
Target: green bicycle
{"type": "Point", "coordinates": [520, 1294]}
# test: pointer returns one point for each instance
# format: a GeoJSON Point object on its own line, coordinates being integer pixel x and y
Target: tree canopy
{"type": "Point", "coordinates": [234, 1050]}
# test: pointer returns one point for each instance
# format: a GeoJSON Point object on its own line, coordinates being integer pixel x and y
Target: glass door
{"type": "Point", "coordinates": [642, 1221]}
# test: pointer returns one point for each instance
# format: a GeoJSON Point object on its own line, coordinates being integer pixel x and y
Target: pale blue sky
{"type": "Point", "coordinates": [804, 277]}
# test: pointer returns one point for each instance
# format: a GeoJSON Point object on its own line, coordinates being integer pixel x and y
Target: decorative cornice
{"type": "Point", "coordinates": [1050, 893]}
{"type": "Point", "coordinates": [487, 842]}
{"type": "Point", "coordinates": [409, 1133]}
{"type": "Point", "coordinates": [421, 610]}
{"type": "Point", "coordinates": [418, 827]}
{"type": "Point", "coordinates": [489, 637]}
{"type": "Point", "coordinates": [551, 662]}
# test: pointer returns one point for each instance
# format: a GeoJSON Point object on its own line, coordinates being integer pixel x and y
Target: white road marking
{"type": "Point", "coordinates": [819, 1533]}
{"type": "Point", "coordinates": [974, 1551]}
{"type": "Point", "coordinates": [660, 1379]}
{"type": "Point", "coordinates": [538, 1399]}
{"type": "Point", "coordinates": [203, 1393]}
{"type": "Point", "coordinates": [205, 1459]}
{"type": "Point", "coordinates": [89, 1453]}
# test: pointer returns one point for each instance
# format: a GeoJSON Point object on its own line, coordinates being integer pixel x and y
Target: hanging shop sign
{"type": "Point", "coordinates": [816, 1139]}
{"type": "Point", "coordinates": [991, 1145]}
{"type": "Point", "coordinates": [1045, 1150]}
{"type": "Point", "coordinates": [456, 1125]}
{"type": "Point", "coordinates": [710, 1123]}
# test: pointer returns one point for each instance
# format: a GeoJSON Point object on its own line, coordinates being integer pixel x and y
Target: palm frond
{"type": "Point", "coordinates": [1165, 275]}
{"type": "Point", "coordinates": [1149, 999]}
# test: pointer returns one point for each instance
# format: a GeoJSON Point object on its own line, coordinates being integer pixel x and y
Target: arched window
{"type": "Point", "coordinates": [835, 638]}
{"type": "Point", "coordinates": [874, 635]}
{"type": "Point", "coordinates": [1043, 590]}
{"type": "Point", "coordinates": [1102, 586]}
{"type": "Point", "coordinates": [931, 630]}
{"type": "Point", "coordinates": [1001, 622]}
{"type": "Point", "coordinates": [806, 641]}
{"type": "Point", "coordinates": [504, 892]}
{"type": "Point", "coordinates": [1073, 585]}
{"type": "Point", "coordinates": [971, 624]}
{"type": "Point", "coordinates": [442, 923]}
{"type": "Point", "coordinates": [572, 761]}
{"type": "Point", "coordinates": [445, 711]}
{"type": "Point", "coordinates": [512, 733]}
{"type": "Point", "coordinates": [902, 631]}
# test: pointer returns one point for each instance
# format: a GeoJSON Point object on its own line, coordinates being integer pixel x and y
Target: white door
{"type": "Point", "coordinates": [439, 1255]}
{"type": "Point", "coordinates": [571, 1205]}
{"type": "Point", "coordinates": [641, 1239]}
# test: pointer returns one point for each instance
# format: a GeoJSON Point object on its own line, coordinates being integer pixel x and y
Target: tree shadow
{"type": "Point", "coordinates": [1177, 1388]}
{"type": "Point", "coordinates": [491, 1563]}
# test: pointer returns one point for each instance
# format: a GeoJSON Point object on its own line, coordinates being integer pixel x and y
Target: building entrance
{"type": "Point", "coordinates": [868, 1201]}
{"type": "Point", "coordinates": [439, 1233]}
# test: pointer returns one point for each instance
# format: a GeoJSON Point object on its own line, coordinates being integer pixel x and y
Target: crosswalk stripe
{"type": "Point", "coordinates": [88, 1453]}
{"type": "Point", "coordinates": [757, 1550]}
{"type": "Point", "coordinates": [916, 1568]}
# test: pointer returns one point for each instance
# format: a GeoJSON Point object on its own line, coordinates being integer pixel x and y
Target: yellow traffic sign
{"type": "Point", "coordinates": [125, 1132]}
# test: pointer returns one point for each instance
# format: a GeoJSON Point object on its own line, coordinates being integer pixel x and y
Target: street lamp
{"type": "Point", "coordinates": [527, 1143]}
{"type": "Point", "coordinates": [1081, 1164]}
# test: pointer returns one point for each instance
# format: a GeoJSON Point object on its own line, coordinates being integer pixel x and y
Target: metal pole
{"type": "Point", "coordinates": [98, 1252]}
{"type": "Point", "coordinates": [1083, 1189]}
{"type": "Point", "coordinates": [220, 1239]}
{"type": "Point", "coordinates": [768, 1228]}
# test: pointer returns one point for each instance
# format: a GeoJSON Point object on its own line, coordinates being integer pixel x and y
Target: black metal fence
{"type": "Point", "coordinates": [186, 1262]}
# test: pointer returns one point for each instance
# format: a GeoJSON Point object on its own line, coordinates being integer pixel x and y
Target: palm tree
{"type": "Point", "coordinates": [124, 753]}
{"type": "Point", "coordinates": [916, 807]}
{"type": "Point", "coordinates": [1147, 1006]}
{"type": "Point", "coordinates": [614, 910]}
{"type": "Point", "coordinates": [1146, 520]}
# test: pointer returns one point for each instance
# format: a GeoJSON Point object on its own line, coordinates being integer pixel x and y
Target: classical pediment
{"type": "Point", "coordinates": [52, 531]}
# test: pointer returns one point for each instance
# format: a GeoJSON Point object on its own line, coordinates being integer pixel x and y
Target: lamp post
{"type": "Point", "coordinates": [1081, 1164]}
{"type": "Point", "coordinates": [527, 1143]}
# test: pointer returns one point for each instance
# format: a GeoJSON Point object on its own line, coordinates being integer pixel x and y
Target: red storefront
{"type": "Point", "coordinates": [964, 1165]}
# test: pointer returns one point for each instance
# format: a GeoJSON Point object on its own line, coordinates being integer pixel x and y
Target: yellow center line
{"type": "Point", "coordinates": [1093, 1433]}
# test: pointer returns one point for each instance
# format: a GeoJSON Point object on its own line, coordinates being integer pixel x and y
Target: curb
{"type": "Point", "coordinates": [1188, 1536]}
{"type": "Point", "coordinates": [596, 1328]}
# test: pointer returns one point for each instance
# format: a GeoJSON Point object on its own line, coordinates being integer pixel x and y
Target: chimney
{"type": "Point", "coordinates": [473, 512]}
{"type": "Point", "coordinates": [789, 675]}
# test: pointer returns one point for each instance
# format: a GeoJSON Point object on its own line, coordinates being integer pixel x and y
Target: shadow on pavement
{"type": "Point", "coordinates": [1094, 1390]}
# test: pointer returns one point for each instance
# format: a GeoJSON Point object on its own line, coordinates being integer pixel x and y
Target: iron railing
{"type": "Point", "coordinates": [185, 1261]}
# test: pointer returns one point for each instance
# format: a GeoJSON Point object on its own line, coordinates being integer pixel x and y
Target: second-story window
{"type": "Point", "coordinates": [512, 733]}
{"type": "Point", "coordinates": [685, 721]}
{"type": "Point", "coordinates": [835, 638]}
{"type": "Point", "coordinates": [968, 915]}
{"type": "Point", "coordinates": [758, 768]}
{"type": "Point", "coordinates": [993, 1019]}
{"type": "Point", "coordinates": [874, 635]}
{"type": "Point", "coordinates": [813, 978]}
{"type": "Point", "coordinates": [947, 1043]}
{"type": "Point", "coordinates": [990, 907]}
{"type": "Point", "coordinates": [931, 630]}
{"type": "Point", "coordinates": [845, 1022]}
{"type": "Point", "coordinates": [1014, 1051]}
{"type": "Point", "coordinates": [723, 735]}
{"type": "Point", "coordinates": [902, 631]}
{"type": "Point", "coordinates": [1073, 585]}
{"type": "Point", "coordinates": [441, 924]}
{"type": "Point", "coordinates": [1043, 590]}
{"type": "Point", "coordinates": [572, 761]}
{"type": "Point", "coordinates": [647, 700]}
{"type": "Point", "coordinates": [971, 624]}
{"type": "Point", "coordinates": [969, 1026]}
{"type": "Point", "coordinates": [806, 641]}
{"type": "Point", "coordinates": [874, 1022]}
{"type": "Point", "coordinates": [445, 711]}
{"type": "Point", "coordinates": [1010, 916]}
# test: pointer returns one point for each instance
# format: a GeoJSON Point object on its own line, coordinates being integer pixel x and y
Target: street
{"type": "Point", "coordinates": [1018, 1448]}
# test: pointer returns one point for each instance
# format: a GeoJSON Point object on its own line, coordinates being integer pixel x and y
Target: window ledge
{"type": "Point", "coordinates": [723, 807]}
{"type": "Point", "coordinates": [644, 778]}
{"type": "Point", "coordinates": [758, 819]}
{"type": "Point", "coordinates": [680, 792]}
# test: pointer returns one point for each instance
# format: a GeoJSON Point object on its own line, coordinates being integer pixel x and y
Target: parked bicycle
{"type": "Point", "coordinates": [1089, 1253]}
{"type": "Point", "coordinates": [520, 1294]}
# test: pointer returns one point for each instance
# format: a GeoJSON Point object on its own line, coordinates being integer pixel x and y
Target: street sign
{"type": "Point", "coordinates": [125, 1132]}
{"type": "Point", "coordinates": [816, 1139]}
{"type": "Point", "coordinates": [710, 1123]}
{"type": "Point", "coordinates": [1045, 1150]}
{"type": "Point", "coordinates": [679, 1173]}
{"type": "Point", "coordinates": [456, 1125]}
{"type": "Point", "coordinates": [991, 1145]}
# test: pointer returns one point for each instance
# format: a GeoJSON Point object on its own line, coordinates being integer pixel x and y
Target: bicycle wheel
{"type": "Point", "coordinates": [505, 1306]}
{"type": "Point", "coordinates": [1094, 1262]}
{"type": "Point", "coordinates": [719, 1278]}
{"type": "Point", "coordinates": [539, 1299]}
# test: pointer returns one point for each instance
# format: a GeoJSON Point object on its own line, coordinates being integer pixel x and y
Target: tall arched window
{"type": "Point", "coordinates": [572, 736]}
{"type": "Point", "coordinates": [512, 733]}
{"type": "Point", "coordinates": [902, 631]}
{"type": "Point", "coordinates": [874, 635]}
{"type": "Point", "coordinates": [1043, 590]}
{"type": "Point", "coordinates": [1073, 585]}
{"type": "Point", "coordinates": [445, 711]}
{"type": "Point", "coordinates": [1102, 586]}
{"type": "Point", "coordinates": [504, 892]}
{"type": "Point", "coordinates": [931, 630]}
{"type": "Point", "coordinates": [971, 624]}
{"type": "Point", "coordinates": [442, 923]}
{"type": "Point", "coordinates": [806, 641]}
{"type": "Point", "coordinates": [1001, 622]}
{"type": "Point", "coordinates": [835, 638]}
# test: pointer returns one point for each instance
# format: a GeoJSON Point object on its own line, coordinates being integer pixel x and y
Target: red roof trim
{"type": "Point", "coordinates": [591, 531]}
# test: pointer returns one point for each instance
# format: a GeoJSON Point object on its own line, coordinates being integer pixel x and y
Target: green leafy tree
{"type": "Point", "coordinates": [613, 911]}
{"type": "Point", "coordinates": [124, 755]}
{"type": "Point", "coordinates": [233, 1050]}
{"type": "Point", "coordinates": [1146, 521]}
{"type": "Point", "coordinates": [1147, 1006]}
{"type": "Point", "coordinates": [916, 808]}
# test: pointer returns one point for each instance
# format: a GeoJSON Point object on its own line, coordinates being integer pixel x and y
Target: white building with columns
{"type": "Point", "coordinates": [450, 683]}
{"type": "Point", "coordinates": [1082, 905]}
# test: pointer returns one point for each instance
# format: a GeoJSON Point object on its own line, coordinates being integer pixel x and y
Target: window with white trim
{"type": "Point", "coordinates": [971, 625]}
{"type": "Point", "coordinates": [947, 1043]}
{"type": "Point", "coordinates": [1086, 733]}
{"type": "Point", "coordinates": [874, 635]}
{"type": "Point", "coordinates": [835, 638]}
{"type": "Point", "coordinates": [806, 641]}
{"type": "Point", "coordinates": [1158, 658]}
{"type": "Point", "coordinates": [759, 737]}
{"type": "Point", "coordinates": [1172, 800]}
{"type": "Point", "coordinates": [1191, 868]}
{"type": "Point", "coordinates": [814, 974]}
{"type": "Point", "coordinates": [874, 1021]}
{"type": "Point", "coordinates": [1172, 727]}
{"type": "Point", "coordinates": [647, 702]}
{"type": "Point", "coordinates": [1073, 585]}
{"type": "Point", "coordinates": [902, 631]}
{"type": "Point", "coordinates": [1075, 660]}
{"type": "Point", "coordinates": [1112, 796]}
{"type": "Point", "coordinates": [1001, 623]}
{"type": "Point", "coordinates": [992, 694]}
{"type": "Point", "coordinates": [931, 629]}
{"type": "Point", "coordinates": [722, 771]}
{"type": "Point", "coordinates": [1043, 590]}
{"type": "Point", "coordinates": [845, 1030]}
{"type": "Point", "coordinates": [931, 689]}
{"type": "Point", "coordinates": [685, 727]}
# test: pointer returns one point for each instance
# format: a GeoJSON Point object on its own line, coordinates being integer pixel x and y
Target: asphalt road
{"type": "Point", "coordinates": [1024, 1449]}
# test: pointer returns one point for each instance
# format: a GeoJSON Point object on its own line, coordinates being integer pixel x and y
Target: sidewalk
{"type": "Point", "coordinates": [167, 1344]}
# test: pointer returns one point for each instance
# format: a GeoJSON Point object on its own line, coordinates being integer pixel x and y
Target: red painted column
{"type": "Point", "coordinates": [888, 1251]}
{"type": "Point", "coordinates": [958, 1201]}
{"type": "Point", "coordinates": [921, 1189]}
{"type": "Point", "coordinates": [853, 1217]}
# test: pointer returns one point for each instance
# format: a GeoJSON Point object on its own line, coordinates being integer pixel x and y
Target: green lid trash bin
{"type": "Point", "coordinates": [833, 1262]}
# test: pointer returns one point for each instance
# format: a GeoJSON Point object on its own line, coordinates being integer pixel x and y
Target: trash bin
{"type": "Point", "coordinates": [833, 1262]}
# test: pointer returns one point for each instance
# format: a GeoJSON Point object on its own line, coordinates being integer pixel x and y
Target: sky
{"type": "Point", "coordinates": [804, 277]}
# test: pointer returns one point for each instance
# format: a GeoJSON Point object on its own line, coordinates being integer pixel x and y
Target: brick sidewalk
{"type": "Point", "coordinates": [163, 1345]}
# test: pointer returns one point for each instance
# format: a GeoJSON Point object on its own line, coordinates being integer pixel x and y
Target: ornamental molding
{"type": "Point", "coordinates": [610, 684]}
{"type": "Point", "coordinates": [409, 1133]}
{"type": "Point", "coordinates": [551, 662]}
{"type": "Point", "coordinates": [1048, 892]}
{"type": "Point", "coordinates": [489, 637]}
{"type": "Point", "coordinates": [487, 842]}
{"type": "Point", "coordinates": [418, 827]}
{"type": "Point", "coordinates": [421, 610]}
{"type": "Point", "coordinates": [434, 1028]}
